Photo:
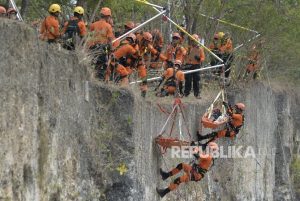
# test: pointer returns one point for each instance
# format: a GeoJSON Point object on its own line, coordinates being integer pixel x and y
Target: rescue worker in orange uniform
{"type": "Point", "coordinates": [172, 81]}
{"type": "Point", "coordinates": [175, 51]}
{"type": "Point", "coordinates": [128, 27]}
{"type": "Point", "coordinates": [253, 62]}
{"type": "Point", "coordinates": [123, 59]}
{"type": "Point", "coordinates": [226, 51]}
{"type": "Point", "coordinates": [75, 27]}
{"type": "Point", "coordinates": [233, 126]}
{"type": "Point", "coordinates": [194, 59]}
{"type": "Point", "coordinates": [194, 172]}
{"type": "Point", "coordinates": [215, 48]}
{"type": "Point", "coordinates": [12, 14]}
{"type": "Point", "coordinates": [2, 12]}
{"type": "Point", "coordinates": [50, 26]}
{"type": "Point", "coordinates": [101, 41]}
{"type": "Point", "coordinates": [102, 31]}
{"type": "Point", "coordinates": [157, 44]}
{"type": "Point", "coordinates": [146, 49]}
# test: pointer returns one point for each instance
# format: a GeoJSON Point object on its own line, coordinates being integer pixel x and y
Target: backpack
{"type": "Point", "coordinates": [72, 32]}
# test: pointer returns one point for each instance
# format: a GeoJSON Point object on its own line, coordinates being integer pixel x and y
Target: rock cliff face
{"type": "Point", "coordinates": [65, 136]}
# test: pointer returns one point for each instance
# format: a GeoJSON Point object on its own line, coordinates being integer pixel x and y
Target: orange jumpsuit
{"type": "Point", "coordinates": [191, 173]}
{"type": "Point", "coordinates": [50, 29]}
{"type": "Point", "coordinates": [102, 33]}
{"type": "Point", "coordinates": [157, 44]}
{"type": "Point", "coordinates": [81, 26]}
{"type": "Point", "coordinates": [253, 61]}
{"type": "Point", "coordinates": [125, 51]}
{"type": "Point", "coordinates": [175, 53]}
{"type": "Point", "coordinates": [236, 121]}
{"type": "Point", "coordinates": [171, 81]}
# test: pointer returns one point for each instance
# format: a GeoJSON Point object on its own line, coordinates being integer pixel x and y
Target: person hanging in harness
{"type": "Point", "coordinates": [100, 43]}
{"type": "Point", "coordinates": [192, 172]}
{"type": "Point", "coordinates": [74, 29]}
{"type": "Point", "coordinates": [50, 26]}
{"type": "Point", "coordinates": [194, 59]}
{"type": "Point", "coordinates": [175, 51]}
{"type": "Point", "coordinates": [172, 81]}
{"type": "Point", "coordinates": [233, 125]}
{"type": "Point", "coordinates": [123, 59]}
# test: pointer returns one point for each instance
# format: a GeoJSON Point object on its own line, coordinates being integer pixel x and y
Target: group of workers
{"type": "Point", "coordinates": [10, 13]}
{"type": "Point", "coordinates": [225, 127]}
{"type": "Point", "coordinates": [140, 51]}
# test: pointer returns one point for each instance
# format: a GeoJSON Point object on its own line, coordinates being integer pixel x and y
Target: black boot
{"type": "Point", "coordinates": [164, 175]}
{"type": "Point", "coordinates": [162, 192]}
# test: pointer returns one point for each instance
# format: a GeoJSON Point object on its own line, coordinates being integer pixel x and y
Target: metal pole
{"type": "Point", "coordinates": [138, 27]}
{"type": "Point", "coordinates": [12, 2]}
{"type": "Point", "coordinates": [184, 72]}
{"type": "Point", "coordinates": [202, 69]}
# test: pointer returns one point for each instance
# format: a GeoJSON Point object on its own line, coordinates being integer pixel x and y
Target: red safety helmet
{"type": "Point", "coordinates": [2, 10]}
{"type": "Point", "coordinates": [11, 10]}
{"type": "Point", "coordinates": [216, 36]}
{"type": "Point", "coordinates": [147, 36]}
{"type": "Point", "coordinates": [105, 11]}
{"type": "Point", "coordinates": [178, 62]}
{"type": "Point", "coordinates": [240, 106]}
{"type": "Point", "coordinates": [129, 24]}
{"type": "Point", "coordinates": [176, 35]}
{"type": "Point", "coordinates": [132, 36]}
{"type": "Point", "coordinates": [195, 36]}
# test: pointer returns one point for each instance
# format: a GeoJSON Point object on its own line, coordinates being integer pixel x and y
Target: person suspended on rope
{"type": "Point", "coordinates": [122, 60]}
{"type": "Point", "coordinates": [253, 63]}
{"type": "Point", "coordinates": [74, 29]}
{"type": "Point", "coordinates": [233, 124]}
{"type": "Point", "coordinates": [12, 14]}
{"type": "Point", "coordinates": [175, 51]}
{"type": "Point", "coordinates": [172, 81]}
{"type": "Point", "coordinates": [194, 59]}
{"type": "Point", "coordinates": [100, 42]}
{"type": "Point", "coordinates": [50, 26]}
{"type": "Point", "coordinates": [192, 172]}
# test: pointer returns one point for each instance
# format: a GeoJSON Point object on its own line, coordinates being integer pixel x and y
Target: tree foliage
{"type": "Point", "coordinates": [277, 21]}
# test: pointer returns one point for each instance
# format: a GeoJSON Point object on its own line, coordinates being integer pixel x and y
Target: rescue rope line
{"type": "Point", "coordinates": [184, 31]}
{"type": "Point", "coordinates": [229, 23]}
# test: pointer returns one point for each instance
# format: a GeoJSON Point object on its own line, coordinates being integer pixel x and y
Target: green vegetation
{"type": "Point", "coordinates": [295, 171]}
{"type": "Point", "coordinates": [277, 21]}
